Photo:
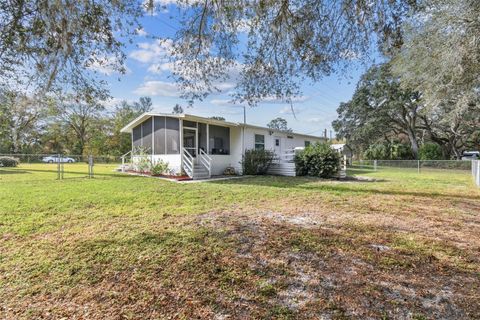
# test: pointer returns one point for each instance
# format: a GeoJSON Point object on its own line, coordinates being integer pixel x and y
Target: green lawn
{"type": "Point", "coordinates": [405, 246]}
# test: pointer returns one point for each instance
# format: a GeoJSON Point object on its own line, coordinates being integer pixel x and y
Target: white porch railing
{"type": "Point", "coordinates": [283, 164]}
{"type": "Point", "coordinates": [123, 159]}
{"type": "Point", "coordinates": [206, 161]}
{"type": "Point", "coordinates": [287, 156]}
{"type": "Point", "coordinates": [188, 163]}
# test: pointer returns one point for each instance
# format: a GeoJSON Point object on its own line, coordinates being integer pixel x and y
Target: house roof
{"type": "Point", "coordinates": [190, 117]}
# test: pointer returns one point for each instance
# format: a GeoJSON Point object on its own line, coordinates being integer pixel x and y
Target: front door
{"type": "Point", "coordinates": [190, 140]}
{"type": "Point", "coordinates": [277, 144]}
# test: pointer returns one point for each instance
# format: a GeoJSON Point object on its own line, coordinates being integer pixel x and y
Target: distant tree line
{"type": "Point", "coordinates": [68, 125]}
{"type": "Point", "coordinates": [424, 102]}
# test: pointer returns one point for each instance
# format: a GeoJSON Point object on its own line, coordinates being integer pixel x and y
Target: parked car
{"type": "Point", "coordinates": [471, 155]}
{"type": "Point", "coordinates": [56, 159]}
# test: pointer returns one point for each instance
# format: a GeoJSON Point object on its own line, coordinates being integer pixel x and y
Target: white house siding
{"type": "Point", "coordinates": [174, 161]}
{"type": "Point", "coordinates": [236, 148]}
{"type": "Point", "coordinates": [286, 143]}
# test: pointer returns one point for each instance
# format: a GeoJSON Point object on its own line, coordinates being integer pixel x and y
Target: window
{"type": "Point", "coordinates": [259, 142]}
{"type": "Point", "coordinates": [307, 143]}
{"type": "Point", "coordinates": [277, 142]}
{"type": "Point", "coordinates": [219, 139]}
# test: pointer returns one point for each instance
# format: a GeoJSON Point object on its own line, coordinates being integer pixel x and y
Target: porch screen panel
{"type": "Point", "coordinates": [137, 136]}
{"type": "Point", "coordinates": [159, 135]}
{"type": "Point", "coordinates": [147, 135]}
{"type": "Point", "coordinates": [173, 135]}
{"type": "Point", "coordinates": [202, 136]}
{"type": "Point", "coordinates": [219, 140]}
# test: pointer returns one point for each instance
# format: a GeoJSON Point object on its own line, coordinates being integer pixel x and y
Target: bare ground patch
{"type": "Point", "coordinates": [330, 272]}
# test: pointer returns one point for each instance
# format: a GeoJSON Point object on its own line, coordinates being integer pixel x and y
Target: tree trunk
{"type": "Point", "coordinates": [413, 142]}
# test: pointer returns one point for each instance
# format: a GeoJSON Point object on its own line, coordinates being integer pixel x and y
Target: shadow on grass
{"type": "Point", "coordinates": [4, 171]}
{"type": "Point", "coordinates": [343, 186]}
{"type": "Point", "coordinates": [85, 173]}
{"type": "Point", "coordinates": [359, 171]}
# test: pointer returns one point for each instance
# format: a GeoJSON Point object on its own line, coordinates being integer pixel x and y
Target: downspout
{"type": "Point", "coordinates": [243, 133]}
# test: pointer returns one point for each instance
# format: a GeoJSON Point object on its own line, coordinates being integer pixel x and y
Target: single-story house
{"type": "Point", "coordinates": [202, 147]}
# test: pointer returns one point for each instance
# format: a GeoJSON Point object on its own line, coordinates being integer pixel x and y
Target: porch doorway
{"type": "Point", "coordinates": [190, 140]}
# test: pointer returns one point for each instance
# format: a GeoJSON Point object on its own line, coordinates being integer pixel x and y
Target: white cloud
{"type": "Point", "coordinates": [159, 68]}
{"type": "Point", "coordinates": [158, 88]}
{"type": "Point", "coordinates": [224, 86]}
{"type": "Point", "coordinates": [113, 102]}
{"type": "Point", "coordinates": [107, 66]}
{"type": "Point", "coordinates": [157, 51]}
{"type": "Point", "coordinates": [273, 99]}
{"type": "Point", "coordinates": [288, 110]}
{"type": "Point", "coordinates": [141, 32]}
{"type": "Point", "coordinates": [222, 102]}
{"type": "Point", "coordinates": [315, 120]}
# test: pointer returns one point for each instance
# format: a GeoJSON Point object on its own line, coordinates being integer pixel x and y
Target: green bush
{"type": "Point", "coordinates": [257, 162]}
{"type": "Point", "coordinates": [430, 151]}
{"type": "Point", "coordinates": [377, 151]}
{"type": "Point", "coordinates": [388, 151]}
{"type": "Point", "coordinates": [318, 160]}
{"type": "Point", "coordinates": [159, 167]}
{"type": "Point", "coordinates": [8, 162]}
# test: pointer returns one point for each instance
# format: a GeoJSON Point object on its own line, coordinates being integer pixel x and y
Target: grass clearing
{"type": "Point", "coordinates": [120, 246]}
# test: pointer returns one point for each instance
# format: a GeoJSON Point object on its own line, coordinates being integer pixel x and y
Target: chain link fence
{"type": "Point", "coordinates": [420, 166]}
{"type": "Point", "coordinates": [61, 166]}
{"type": "Point", "coordinates": [417, 165]}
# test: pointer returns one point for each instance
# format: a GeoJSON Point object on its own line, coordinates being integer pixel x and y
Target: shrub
{"type": "Point", "coordinates": [257, 162]}
{"type": "Point", "coordinates": [318, 160]}
{"type": "Point", "coordinates": [376, 152]}
{"type": "Point", "coordinates": [430, 151]}
{"type": "Point", "coordinates": [141, 159]}
{"type": "Point", "coordinates": [159, 167]}
{"type": "Point", "coordinates": [8, 162]}
{"type": "Point", "coordinates": [400, 151]}
{"type": "Point", "coordinates": [388, 151]}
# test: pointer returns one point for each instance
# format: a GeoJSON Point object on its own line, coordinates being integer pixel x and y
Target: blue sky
{"type": "Point", "coordinates": [148, 75]}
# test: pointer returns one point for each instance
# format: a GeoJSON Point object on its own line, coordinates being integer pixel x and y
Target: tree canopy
{"type": "Point", "coordinates": [53, 46]}
{"type": "Point", "coordinates": [272, 46]}
{"type": "Point", "coordinates": [279, 124]}
{"type": "Point", "coordinates": [379, 109]}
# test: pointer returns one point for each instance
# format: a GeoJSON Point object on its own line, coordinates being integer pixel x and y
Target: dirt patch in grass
{"type": "Point", "coordinates": [314, 270]}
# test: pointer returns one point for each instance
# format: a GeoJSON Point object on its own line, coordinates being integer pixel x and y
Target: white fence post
{"type": "Point", "coordinates": [374, 165]}
{"type": "Point", "coordinates": [476, 171]}
{"type": "Point", "coordinates": [477, 178]}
